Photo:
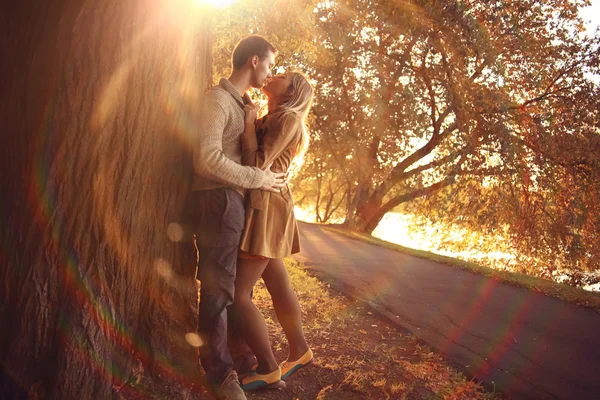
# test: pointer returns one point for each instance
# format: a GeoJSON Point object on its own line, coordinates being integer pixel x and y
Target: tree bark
{"type": "Point", "coordinates": [97, 114]}
{"type": "Point", "coordinates": [370, 214]}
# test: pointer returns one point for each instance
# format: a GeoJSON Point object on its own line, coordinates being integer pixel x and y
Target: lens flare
{"type": "Point", "coordinates": [175, 232]}
{"type": "Point", "coordinates": [163, 269]}
{"type": "Point", "coordinates": [193, 339]}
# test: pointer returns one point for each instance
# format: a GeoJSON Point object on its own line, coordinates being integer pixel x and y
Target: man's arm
{"type": "Point", "coordinates": [209, 160]}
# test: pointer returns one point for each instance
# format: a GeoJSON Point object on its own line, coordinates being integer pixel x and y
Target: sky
{"type": "Point", "coordinates": [591, 15]}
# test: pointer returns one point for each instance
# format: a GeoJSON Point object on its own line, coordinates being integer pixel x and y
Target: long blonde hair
{"type": "Point", "coordinates": [291, 112]}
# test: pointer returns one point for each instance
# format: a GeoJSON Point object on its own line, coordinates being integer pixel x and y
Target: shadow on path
{"type": "Point", "coordinates": [524, 344]}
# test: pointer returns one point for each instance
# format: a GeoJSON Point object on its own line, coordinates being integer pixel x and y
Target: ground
{"type": "Point", "coordinates": [561, 291]}
{"type": "Point", "coordinates": [358, 355]}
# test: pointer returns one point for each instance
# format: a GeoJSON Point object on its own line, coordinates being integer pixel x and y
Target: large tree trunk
{"type": "Point", "coordinates": [98, 103]}
{"type": "Point", "coordinates": [362, 213]}
{"type": "Point", "coordinates": [365, 219]}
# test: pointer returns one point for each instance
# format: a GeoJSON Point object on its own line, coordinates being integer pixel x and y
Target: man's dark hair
{"type": "Point", "coordinates": [251, 46]}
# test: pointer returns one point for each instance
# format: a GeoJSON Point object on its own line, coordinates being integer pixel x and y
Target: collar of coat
{"type": "Point", "coordinates": [227, 86]}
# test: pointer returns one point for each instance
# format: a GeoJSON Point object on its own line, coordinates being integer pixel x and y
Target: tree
{"type": "Point", "coordinates": [321, 188]}
{"type": "Point", "coordinates": [415, 98]}
{"type": "Point", "coordinates": [97, 109]}
{"type": "Point", "coordinates": [461, 112]}
{"type": "Point", "coordinates": [549, 216]}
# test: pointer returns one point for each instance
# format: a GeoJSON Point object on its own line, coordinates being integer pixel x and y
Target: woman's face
{"type": "Point", "coordinates": [278, 85]}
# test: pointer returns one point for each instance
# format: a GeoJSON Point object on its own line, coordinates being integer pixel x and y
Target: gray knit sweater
{"type": "Point", "coordinates": [218, 148]}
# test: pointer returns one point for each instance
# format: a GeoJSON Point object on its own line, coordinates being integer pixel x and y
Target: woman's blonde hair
{"type": "Point", "coordinates": [291, 112]}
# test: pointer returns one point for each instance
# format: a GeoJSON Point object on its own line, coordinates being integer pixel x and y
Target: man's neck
{"type": "Point", "coordinates": [241, 81]}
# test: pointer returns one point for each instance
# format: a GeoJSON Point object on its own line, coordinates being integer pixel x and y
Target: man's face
{"type": "Point", "coordinates": [262, 70]}
{"type": "Point", "coordinates": [279, 86]}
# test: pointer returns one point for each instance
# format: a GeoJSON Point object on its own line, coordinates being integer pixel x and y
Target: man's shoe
{"type": "Point", "coordinates": [230, 389]}
{"type": "Point", "coordinates": [289, 367]}
{"type": "Point", "coordinates": [245, 365]}
{"type": "Point", "coordinates": [256, 381]}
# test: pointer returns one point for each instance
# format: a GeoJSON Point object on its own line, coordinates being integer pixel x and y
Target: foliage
{"type": "Point", "coordinates": [475, 115]}
{"type": "Point", "coordinates": [429, 94]}
{"type": "Point", "coordinates": [288, 25]}
{"type": "Point", "coordinates": [323, 189]}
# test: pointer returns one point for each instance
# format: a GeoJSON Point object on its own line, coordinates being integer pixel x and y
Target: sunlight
{"type": "Point", "coordinates": [304, 214]}
{"type": "Point", "coordinates": [214, 3]}
{"type": "Point", "coordinates": [399, 228]}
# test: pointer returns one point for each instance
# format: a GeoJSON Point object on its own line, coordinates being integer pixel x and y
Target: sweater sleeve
{"type": "Point", "coordinates": [209, 159]}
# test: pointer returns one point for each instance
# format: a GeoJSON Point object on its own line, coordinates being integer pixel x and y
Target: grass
{"type": "Point", "coordinates": [358, 355]}
{"type": "Point", "coordinates": [559, 291]}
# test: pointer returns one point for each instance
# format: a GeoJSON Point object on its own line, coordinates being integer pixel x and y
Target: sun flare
{"type": "Point", "coordinates": [214, 3]}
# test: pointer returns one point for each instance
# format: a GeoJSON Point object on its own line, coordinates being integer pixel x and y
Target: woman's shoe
{"type": "Point", "coordinates": [256, 381]}
{"type": "Point", "coordinates": [289, 367]}
{"type": "Point", "coordinates": [245, 365]}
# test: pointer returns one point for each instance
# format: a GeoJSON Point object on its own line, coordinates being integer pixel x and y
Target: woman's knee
{"type": "Point", "coordinates": [278, 288]}
{"type": "Point", "coordinates": [241, 298]}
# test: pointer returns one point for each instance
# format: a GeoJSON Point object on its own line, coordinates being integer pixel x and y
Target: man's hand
{"type": "Point", "coordinates": [273, 181]}
{"type": "Point", "coordinates": [250, 110]}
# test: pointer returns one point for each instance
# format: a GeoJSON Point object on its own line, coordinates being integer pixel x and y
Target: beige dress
{"type": "Point", "coordinates": [271, 229]}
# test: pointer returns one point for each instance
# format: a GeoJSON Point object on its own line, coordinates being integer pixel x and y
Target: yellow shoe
{"type": "Point", "coordinates": [256, 381]}
{"type": "Point", "coordinates": [289, 367]}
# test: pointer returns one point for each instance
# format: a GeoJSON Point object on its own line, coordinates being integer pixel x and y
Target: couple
{"type": "Point", "coordinates": [242, 211]}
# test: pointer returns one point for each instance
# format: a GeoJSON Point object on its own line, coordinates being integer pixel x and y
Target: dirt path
{"type": "Point", "coordinates": [524, 344]}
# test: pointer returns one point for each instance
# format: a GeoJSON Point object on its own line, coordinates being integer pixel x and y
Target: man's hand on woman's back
{"type": "Point", "coordinates": [273, 181]}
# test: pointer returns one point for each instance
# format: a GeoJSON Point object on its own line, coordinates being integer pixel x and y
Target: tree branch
{"type": "Point", "coordinates": [441, 161]}
{"type": "Point", "coordinates": [420, 153]}
{"type": "Point", "coordinates": [450, 179]}
{"type": "Point", "coordinates": [415, 194]}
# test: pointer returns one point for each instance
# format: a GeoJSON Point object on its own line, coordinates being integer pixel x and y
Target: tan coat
{"type": "Point", "coordinates": [271, 229]}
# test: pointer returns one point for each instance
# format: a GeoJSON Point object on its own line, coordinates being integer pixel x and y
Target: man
{"type": "Point", "coordinates": [216, 204]}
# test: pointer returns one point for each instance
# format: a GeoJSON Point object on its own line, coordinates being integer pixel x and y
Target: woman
{"type": "Point", "coordinates": [271, 231]}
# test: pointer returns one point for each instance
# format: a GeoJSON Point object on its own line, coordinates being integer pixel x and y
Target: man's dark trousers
{"type": "Point", "coordinates": [217, 217]}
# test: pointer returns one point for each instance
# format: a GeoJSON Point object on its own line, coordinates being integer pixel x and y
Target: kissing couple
{"type": "Point", "coordinates": [242, 213]}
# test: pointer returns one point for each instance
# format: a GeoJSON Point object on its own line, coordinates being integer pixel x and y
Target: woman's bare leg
{"type": "Point", "coordinates": [252, 322]}
{"type": "Point", "coordinates": [286, 307]}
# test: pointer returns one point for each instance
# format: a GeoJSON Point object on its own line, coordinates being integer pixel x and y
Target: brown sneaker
{"type": "Point", "coordinates": [231, 389]}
